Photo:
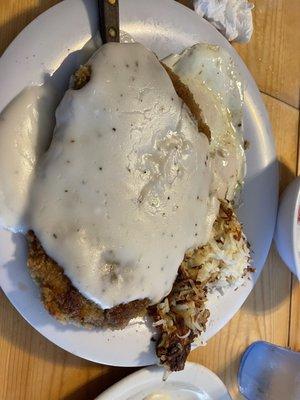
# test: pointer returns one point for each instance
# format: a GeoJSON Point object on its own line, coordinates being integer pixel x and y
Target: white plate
{"type": "Point", "coordinates": [52, 43]}
{"type": "Point", "coordinates": [194, 383]}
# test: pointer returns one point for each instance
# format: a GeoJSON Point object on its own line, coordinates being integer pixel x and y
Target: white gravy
{"type": "Point", "coordinates": [216, 84]}
{"type": "Point", "coordinates": [124, 189]}
{"type": "Point", "coordinates": [26, 127]}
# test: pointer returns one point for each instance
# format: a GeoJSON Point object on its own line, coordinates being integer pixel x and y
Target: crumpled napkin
{"type": "Point", "coordinates": [233, 18]}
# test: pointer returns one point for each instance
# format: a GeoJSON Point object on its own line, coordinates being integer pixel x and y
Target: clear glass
{"type": "Point", "coordinates": [269, 372]}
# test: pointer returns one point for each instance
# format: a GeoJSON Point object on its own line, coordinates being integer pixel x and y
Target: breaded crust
{"type": "Point", "coordinates": [65, 303]}
{"type": "Point", "coordinates": [82, 76]}
{"type": "Point", "coordinates": [187, 97]}
{"type": "Point", "coordinates": [61, 299]}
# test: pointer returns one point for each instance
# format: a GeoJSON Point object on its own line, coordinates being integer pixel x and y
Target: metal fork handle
{"type": "Point", "coordinates": [109, 20]}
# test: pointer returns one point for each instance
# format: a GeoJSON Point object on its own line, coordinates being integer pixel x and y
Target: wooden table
{"type": "Point", "coordinates": [33, 368]}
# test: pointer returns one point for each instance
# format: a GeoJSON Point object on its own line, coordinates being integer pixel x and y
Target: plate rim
{"type": "Point", "coordinates": [145, 374]}
{"type": "Point", "coordinates": [48, 336]}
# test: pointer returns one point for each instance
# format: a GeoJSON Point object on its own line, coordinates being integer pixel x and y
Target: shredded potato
{"type": "Point", "coordinates": [182, 315]}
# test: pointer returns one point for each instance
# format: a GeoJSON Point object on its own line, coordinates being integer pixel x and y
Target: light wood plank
{"type": "Point", "coordinates": [265, 314]}
{"type": "Point", "coordinates": [33, 368]}
{"type": "Point", "coordinates": [284, 120]}
{"type": "Point", "coordinates": [273, 54]}
{"type": "Point", "coordinates": [294, 342]}
{"type": "Point", "coordinates": [16, 14]}
{"type": "Point", "coordinates": [30, 361]}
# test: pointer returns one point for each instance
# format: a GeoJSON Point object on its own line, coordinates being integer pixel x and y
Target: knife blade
{"type": "Point", "coordinates": [109, 20]}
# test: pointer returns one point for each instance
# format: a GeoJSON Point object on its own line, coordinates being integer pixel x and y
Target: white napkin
{"type": "Point", "coordinates": [233, 18]}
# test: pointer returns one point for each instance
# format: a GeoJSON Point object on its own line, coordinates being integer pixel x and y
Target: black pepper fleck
{"type": "Point", "coordinates": [168, 197]}
{"type": "Point", "coordinates": [72, 141]}
{"type": "Point", "coordinates": [66, 191]}
{"type": "Point", "coordinates": [127, 65]}
{"type": "Point", "coordinates": [54, 235]}
{"type": "Point", "coordinates": [136, 63]}
{"type": "Point", "coordinates": [100, 168]}
{"type": "Point", "coordinates": [114, 129]}
{"type": "Point", "coordinates": [246, 144]}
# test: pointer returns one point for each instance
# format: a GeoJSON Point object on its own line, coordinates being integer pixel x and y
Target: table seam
{"type": "Point", "coordinates": [281, 101]}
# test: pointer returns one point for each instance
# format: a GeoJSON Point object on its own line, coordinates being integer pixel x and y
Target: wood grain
{"type": "Point", "coordinates": [16, 14]}
{"type": "Point", "coordinates": [33, 368]}
{"type": "Point", "coordinates": [294, 342]}
{"type": "Point", "coordinates": [266, 313]}
{"type": "Point", "coordinates": [273, 54]}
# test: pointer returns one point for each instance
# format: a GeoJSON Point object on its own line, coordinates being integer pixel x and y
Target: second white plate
{"type": "Point", "coordinates": [194, 383]}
